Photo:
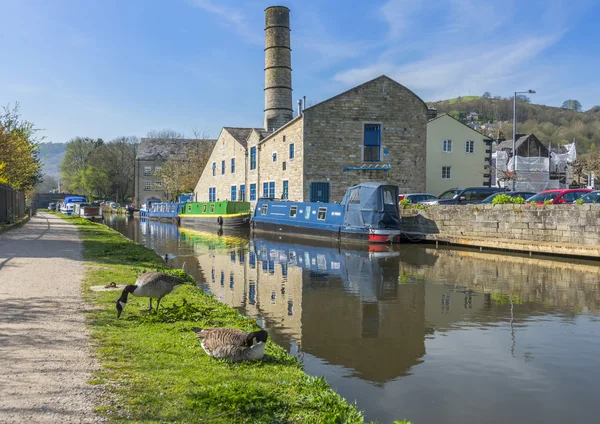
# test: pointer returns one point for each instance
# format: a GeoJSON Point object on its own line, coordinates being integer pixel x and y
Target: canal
{"type": "Point", "coordinates": [432, 335]}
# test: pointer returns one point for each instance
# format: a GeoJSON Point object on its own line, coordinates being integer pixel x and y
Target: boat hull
{"type": "Point", "coordinates": [214, 221]}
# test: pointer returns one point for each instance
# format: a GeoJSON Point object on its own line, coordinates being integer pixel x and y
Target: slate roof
{"type": "Point", "coordinates": [240, 134]}
{"type": "Point", "coordinates": [151, 147]}
{"type": "Point", "coordinates": [508, 144]}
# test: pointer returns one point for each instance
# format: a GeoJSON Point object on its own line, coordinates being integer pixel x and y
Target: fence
{"type": "Point", "coordinates": [12, 204]}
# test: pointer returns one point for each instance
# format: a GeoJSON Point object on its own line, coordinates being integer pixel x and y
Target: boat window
{"type": "Point", "coordinates": [307, 212]}
{"type": "Point", "coordinates": [203, 208]}
{"type": "Point", "coordinates": [189, 208]}
{"type": "Point", "coordinates": [388, 197]}
{"type": "Point", "coordinates": [322, 214]}
{"type": "Point", "coordinates": [264, 209]}
{"type": "Point", "coordinates": [293, 211]}
{"type": "Point", "coordinates": [212, 207]}
{"type": "Point", "coordinates": [354, 197]}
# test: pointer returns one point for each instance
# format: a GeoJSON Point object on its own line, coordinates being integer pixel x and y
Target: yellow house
{"type": "Point", "coordinates": [457, 156]}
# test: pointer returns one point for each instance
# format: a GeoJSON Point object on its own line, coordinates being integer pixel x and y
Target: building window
{"type": "Point", "coordinates": [447, 146]}
{"type": "Point", "coordinates": [372, 143]}
{"type": "Point", "coordinates": [284, 138]}
{"type": "Point", "coordinates": [158, 184]}
{"type": "Point", "coordinates": [233, 193]}
{"type": "Point", "coordinates": [233, 165]}
{"type": "Point", "coordinates": [147, 170]}
{"type": "Point", "coordinates": [222, 167]}
{"type": "Point", "coordinates": [321, 214]}
{"type": "Point", "coordinates": [242, 192]}
{"type": "Point", "coordinates": [252, 192]}
{"type": "Point", "coordinates": [283, 165]}
{"type": "Point", "coordinates": [292, 152]}
{"type": "Point", "coordinates": [147, 185]}
{"type": "Point", "coordinates": [285, 190]}
{"type": "Point", "coordinates": [212, 194]}
{"type": "Point", "coordinates": [469, 146]}
{"type": "Point", "coordinates": [274, 156]}
{"type": "Point", "coordinates": [319, 192]}
{"type": "Point", "coordinates": [214, 168]}
{"type": "Point", "coordinates": [252, 158]}
{"type": "Point", "coordinates": [157, 169]}
{"type": "Point", "coordinates": [272, 189]}
{"type": "Point", "coordinates": [446, 172]}
{"type": "Point", "coordinates": [293, 211]}
{"type": "Point", "coordinates": [265, 192]}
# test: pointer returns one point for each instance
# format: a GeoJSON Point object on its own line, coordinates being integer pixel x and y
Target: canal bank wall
{"type": "Point", "coordinates": [570, 230]}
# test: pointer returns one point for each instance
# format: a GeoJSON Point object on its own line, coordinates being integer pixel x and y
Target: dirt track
{"type": "Point", "coordinates": [45, 360]}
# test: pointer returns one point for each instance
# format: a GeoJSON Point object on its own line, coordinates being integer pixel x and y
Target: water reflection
{"type": "Point", "coordinates": [430, 334]}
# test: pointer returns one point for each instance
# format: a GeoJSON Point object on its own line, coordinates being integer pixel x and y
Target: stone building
{"type": "Point", "coordinates": [152, 154]}
{"type": "Point", "coordinates": [373, 132]}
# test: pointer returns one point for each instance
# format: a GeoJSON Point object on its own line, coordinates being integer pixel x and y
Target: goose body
{"type": "Point", "coordinates": [154, 285]}
{"type": "Point", "coordinates": [232, 344]}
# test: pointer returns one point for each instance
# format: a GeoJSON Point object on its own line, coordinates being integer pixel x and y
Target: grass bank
{"type": "Point", "coordinates": [156, 371]}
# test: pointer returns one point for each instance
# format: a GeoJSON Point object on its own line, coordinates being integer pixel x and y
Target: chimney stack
{"type": "Point", "coordinates": [278, 68]}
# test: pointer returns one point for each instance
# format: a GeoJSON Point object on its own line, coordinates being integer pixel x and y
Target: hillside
{"type": "Point", "coordinates": [550, 124]}
{"type": "Point", "coordinates": [51, 155]}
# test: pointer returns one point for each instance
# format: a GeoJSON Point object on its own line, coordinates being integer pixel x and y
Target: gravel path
{"type": "Point", "coordinates": [45, 360]}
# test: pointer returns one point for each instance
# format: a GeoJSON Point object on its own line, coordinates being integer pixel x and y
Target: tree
{"type": "Point", "coordinates": [180, 174]}
{"type": "Point", "coordinates": [75, 161]}
{"type": "Point", "coordinates": [165, 134]}
{"type": "Point", "coordinates": [523, 98]}
{"type": "Point", "coordinates": [47, 184]}
{"type": "Point", "coordinates": [572, 105]}
{"type": "Point", "coordinates": [116, 161]}
{"type": "Point", "coordinates": [487, 95]}
{"type": "Point", "coordinates": [19, 164]}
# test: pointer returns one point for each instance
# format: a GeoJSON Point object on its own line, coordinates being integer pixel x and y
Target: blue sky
{"type": "Point", "coordinates": [109, 68]}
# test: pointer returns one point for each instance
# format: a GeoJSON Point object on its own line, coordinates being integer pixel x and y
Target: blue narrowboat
{"type": "Point", "coordinates": [68, 205]}
{"type": "Point", "coordinates": [368, 213]}
{"type": "Point", "coordinates": [165, 211]}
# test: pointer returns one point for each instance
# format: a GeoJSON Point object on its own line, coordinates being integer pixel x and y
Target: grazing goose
{"type": "Point", "coordinates": [232, 344]}
{"type": "Point", "coordinates": [153, 285]}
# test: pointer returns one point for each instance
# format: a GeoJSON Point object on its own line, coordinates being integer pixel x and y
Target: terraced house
{"type": "Point", "coordinates": [373, 132]}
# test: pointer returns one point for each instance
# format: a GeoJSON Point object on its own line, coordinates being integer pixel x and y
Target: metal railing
{"type": "Point", "coordinates": [12, 204]}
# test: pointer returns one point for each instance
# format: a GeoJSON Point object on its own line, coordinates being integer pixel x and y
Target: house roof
{"type": "Point", "coordinates": [151, 147]}
{"type": "Point", "coordinates": [508, 144]}
{"type": "Point", "coordinates": [461, 123]}
{"type": "Point", "coordinates": [240, 134]}
{"type": "Point", "coordinates": [268, 135]}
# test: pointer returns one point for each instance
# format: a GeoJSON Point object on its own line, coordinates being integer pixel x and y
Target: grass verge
{"type": "Point", "coordinates": [156, 371]}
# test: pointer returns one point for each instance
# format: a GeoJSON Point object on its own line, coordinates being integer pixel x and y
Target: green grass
{"type": "Point", "coordinates": [155, 369]}
{"type": "Point", "coordinates": [462, 99]}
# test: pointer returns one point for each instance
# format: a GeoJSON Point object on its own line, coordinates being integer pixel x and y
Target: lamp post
{"type": "Point", "coordinates": [515, 133]}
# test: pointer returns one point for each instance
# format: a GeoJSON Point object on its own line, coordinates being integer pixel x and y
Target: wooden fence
{"type": "Point", "coordinates": [12, 204]}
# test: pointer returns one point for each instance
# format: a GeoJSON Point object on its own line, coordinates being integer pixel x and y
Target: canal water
{"type": "Point", "coordinates": [432, 335]}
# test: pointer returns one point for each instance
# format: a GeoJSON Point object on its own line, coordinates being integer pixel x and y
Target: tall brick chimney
{"type": "Point", "coordinates": [278, 68]}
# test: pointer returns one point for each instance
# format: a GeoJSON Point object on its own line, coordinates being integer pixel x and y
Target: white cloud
{"type": "Point", "coordinates": [232, 17]}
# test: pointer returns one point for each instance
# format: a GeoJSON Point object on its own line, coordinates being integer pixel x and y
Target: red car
{"type": "Point", "coordinates": [559, 196]}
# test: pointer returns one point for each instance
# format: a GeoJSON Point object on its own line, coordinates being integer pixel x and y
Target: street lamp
{"type": "Point", "coordinates": [515, 133]}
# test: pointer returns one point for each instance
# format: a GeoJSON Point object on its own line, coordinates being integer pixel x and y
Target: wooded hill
{"type": "Point", "coordinates": [550, 124]}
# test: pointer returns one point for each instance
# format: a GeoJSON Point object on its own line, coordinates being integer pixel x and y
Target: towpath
{"type": "Point", "coordinates": [45, 360]}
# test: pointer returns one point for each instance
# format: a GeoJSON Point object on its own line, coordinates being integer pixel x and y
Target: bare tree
{"type": "Point", "coordinates": [165, 134]}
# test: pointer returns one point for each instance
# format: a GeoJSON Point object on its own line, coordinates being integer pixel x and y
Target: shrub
{"type": "Point", "coordinates": [405, 203]}
{"type": "Point", "coordinates": [547, 202]}
{"type": "Point", "coordinates": [579, 201]}
{"type": "Point", "coordinates": [502, 199]}
{"type": "Point", "coordinates": [519, 200]}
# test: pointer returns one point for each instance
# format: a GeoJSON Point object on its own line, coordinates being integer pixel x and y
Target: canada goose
{"type": "Point", "coordinates": [232, 344]}
{"type": "Point", "coordinates": [153, 285]}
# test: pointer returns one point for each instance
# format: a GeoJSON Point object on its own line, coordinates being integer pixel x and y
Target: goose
{"type": "Point", "coordinates": [232, 344]}
{"type": "Point", "coordinates": [151, 284]}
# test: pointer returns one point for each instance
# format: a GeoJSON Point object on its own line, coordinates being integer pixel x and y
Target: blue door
{"type": "Point", "coordinates": [319, 192]}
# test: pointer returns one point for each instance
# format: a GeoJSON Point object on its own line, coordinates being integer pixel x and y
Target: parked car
{"type": "Point", "coordinates": [52, 205]}
{"type": "Point", "coordinates": [559, 196]}
{"type": "Point", "coordinates": [593, 197]}
{"type": "Point", "coordinates": [523, 194]}
{"type": "Point", "coordinates": [417, 197]}
{"type": "Point", "coordinates": [463, 196]}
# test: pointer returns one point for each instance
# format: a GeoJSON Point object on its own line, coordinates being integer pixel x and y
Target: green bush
{"type": "Point", "coordinates": [519, 200]}
{"type": "Point", "coordinates": [502, 199]}
{"type": "Point", "coordinates": [547, 202]}
{"type": "Point", "coordinates": [579, 201]}
{"type": "Point", "coordinates": [405, 203]}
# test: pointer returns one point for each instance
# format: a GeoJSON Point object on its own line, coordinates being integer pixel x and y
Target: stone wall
{"type": "Point", "coordinates": [573, 224]}
{"type": "Point", "coordinates": [334, 138]}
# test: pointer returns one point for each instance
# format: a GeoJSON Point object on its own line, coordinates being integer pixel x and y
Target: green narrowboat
{"type": "Point", "coordinates": [219, 214]}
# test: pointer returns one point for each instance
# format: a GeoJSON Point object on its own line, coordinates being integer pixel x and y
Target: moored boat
{"type": "Point", "coordinates": [165, 211]}
{"type": "Point", "coordinates": [68, 205]}
{"type": "Point", "coordinates": [220, 214]}
{"type": "Point", "coordinates": [87, 211]}
{"type": "Point", "coordinates": [367, 213]}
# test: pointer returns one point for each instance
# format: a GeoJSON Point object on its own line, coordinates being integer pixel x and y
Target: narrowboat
{"type": "Point", "coordinates": [68, 205]}
{"type": "Point", "coordinates": [220, 214]}
{"type": "Point", "coordinates": [165, 211]}
{"type": "Point", "coordinates": [368, 213]}
{"type": "Point", "coordinates": [87, 211]}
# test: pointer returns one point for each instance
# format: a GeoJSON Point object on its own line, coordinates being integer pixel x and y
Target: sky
{"type": "Point", "coordinates": [111, 68]}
